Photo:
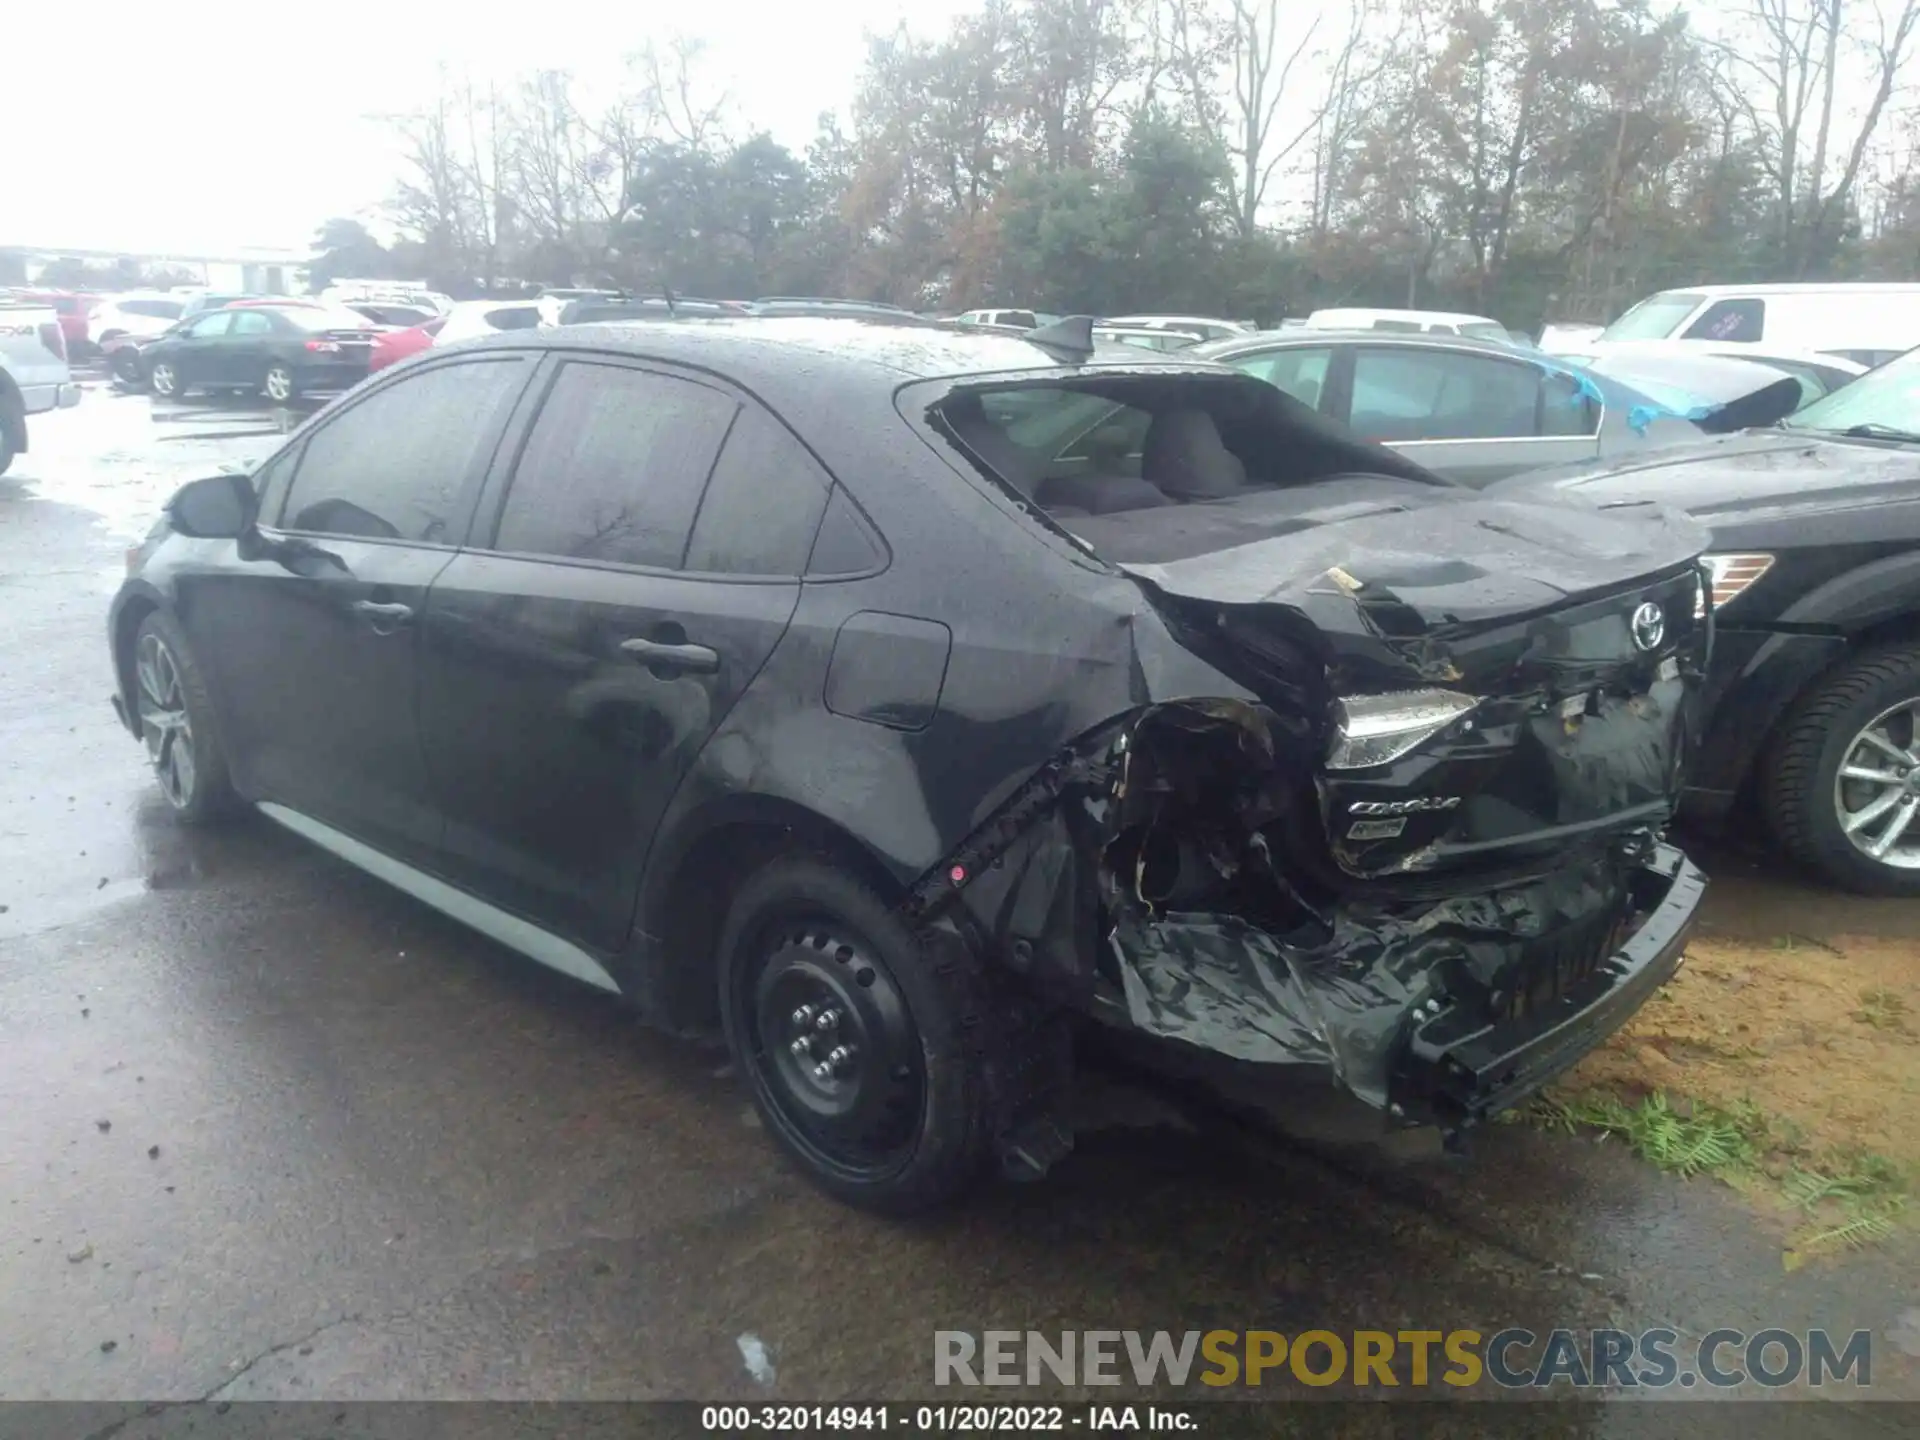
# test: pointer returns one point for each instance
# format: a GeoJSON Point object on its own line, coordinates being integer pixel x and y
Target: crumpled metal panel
{"type": "Point", "coordinates": [1342, 1000]}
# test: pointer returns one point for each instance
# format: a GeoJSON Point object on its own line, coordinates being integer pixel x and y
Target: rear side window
{"type": "Point", "coordinates": [1742, 320]}
{"type": "Point", "coordinates": [396, 465]}
{"type": "Point", "coordinates": [153, 309]}
{"type": "Point", "coordinates": [762, 505]}
{"type": "Point", "coordinates": [513, 318]}
{"type": "Point", "coordinates": [1405, 395]}
{"type": "Point", "coordinates": [614, 467]}
{"type": "Point", "coordinates": [1300, 371]}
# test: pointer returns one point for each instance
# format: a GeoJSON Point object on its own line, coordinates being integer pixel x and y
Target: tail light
{"type": "Point", "coordinates": [54, 338]}
{"type": "Point", "coordinates": [324, 347]}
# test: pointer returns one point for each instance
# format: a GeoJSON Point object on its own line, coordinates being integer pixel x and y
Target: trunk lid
{"type": "Point", "coordinates": [1569, 633]}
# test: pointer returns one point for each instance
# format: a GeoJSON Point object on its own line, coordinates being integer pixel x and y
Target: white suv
{"type": "Point", "coordinates": [141, 316]}
{"type": "Point", "coordinates": [33, 371]}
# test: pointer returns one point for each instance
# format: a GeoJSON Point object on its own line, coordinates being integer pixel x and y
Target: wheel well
{"type": "Point", "coordinates": [1895, 630]}
{"type": "Point", "coordinates": [125, 627]}
{"type": "Point", "coordinates": [697, 893]}
{"type": "Point", "coordinates": [13, 411]}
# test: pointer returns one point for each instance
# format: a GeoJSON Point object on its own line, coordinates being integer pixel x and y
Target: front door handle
{"type": "Point", "coordinates": [697, 659]}
{"type": "Point", "coordinates": [386, 618]}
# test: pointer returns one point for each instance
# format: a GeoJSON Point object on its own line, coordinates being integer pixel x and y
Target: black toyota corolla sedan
{"type": "Point", "coordinates": [914, 705]}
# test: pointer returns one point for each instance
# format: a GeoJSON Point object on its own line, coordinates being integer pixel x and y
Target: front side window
{"type": "Point", "coordinates": [614, 467]}
{"type": "Point", "coordinates": [1404, 395]}
{"type": "Point", "coordinates": [396, 465]}
{"type": "Point", "coordinates": [1740, 320]}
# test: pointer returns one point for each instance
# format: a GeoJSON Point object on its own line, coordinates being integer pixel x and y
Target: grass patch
{"type": "Point", "coordinates": [1839, 1200]}
{"type": "Point", "coordinates": [1883, 1009]}
{"type": "Point", "coordinates": [1685, 1140]}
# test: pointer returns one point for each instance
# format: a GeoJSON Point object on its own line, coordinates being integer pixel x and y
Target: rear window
{"type": "Point", "coordinates": [513, 317]}
{"type": "Point", "coordinates": [1123, 447]}
{"type": "Point", "coordinates": [1653, 319]}
{"type": "Point", "coordinates": [321, 317]}
{"type": "Point", "coordinates": [153, 309]}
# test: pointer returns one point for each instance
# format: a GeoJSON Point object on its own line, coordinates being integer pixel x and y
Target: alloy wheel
{"type": "Point", "coordinates": [164, 380]}
{"type": "Point", "coordinates": [835, 1052]}
{"type": "Point", "coordinates": [164, 723]}
{"type": "Point", "coordinates": [279, 383]}
{"type": "Point", "coordinates": [1876, 792]}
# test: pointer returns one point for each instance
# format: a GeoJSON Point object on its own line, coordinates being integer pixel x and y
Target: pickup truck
{"type": "Point", "coordinates": [34, 376]}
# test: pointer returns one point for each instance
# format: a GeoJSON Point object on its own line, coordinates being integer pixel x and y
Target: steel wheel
{"type": "Point", "coordinates": [164, 724]}
{"type": "Point", "coordinates": [835, 1052]}
{"type": "Point", "coordinates": [279, 383]}
{"type": "Point", "coordinates": [165, 379]}
{"type": "Point", "coordinates": [1876, 792]}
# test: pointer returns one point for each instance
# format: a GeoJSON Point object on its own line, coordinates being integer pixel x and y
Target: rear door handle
{"type": "Point", "coordinates": [695, 658]}
{"type": "Point", "coordinates": [384, 618]}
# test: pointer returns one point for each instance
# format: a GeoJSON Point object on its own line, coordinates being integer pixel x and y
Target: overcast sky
{"type": "Point", "coordinates": [202, 125]}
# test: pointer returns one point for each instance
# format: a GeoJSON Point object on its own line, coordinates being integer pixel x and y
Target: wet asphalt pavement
{"type": "Point", "coordinates": [271, 1130]}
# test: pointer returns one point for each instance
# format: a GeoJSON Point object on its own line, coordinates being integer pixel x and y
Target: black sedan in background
{"type": "Point", "coordinates": [278, 351]}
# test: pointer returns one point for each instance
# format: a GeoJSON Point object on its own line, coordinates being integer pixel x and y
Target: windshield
{"type": "Point", "coordinates": [1887, 398]}
{"type": "Point", "coordinates": [1653, 319]}
{"type": "Point", "coordinates": [1485, 330]}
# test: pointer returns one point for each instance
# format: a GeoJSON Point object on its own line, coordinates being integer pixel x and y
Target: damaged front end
{"type": "Point", "coordinates": [1420, 858]}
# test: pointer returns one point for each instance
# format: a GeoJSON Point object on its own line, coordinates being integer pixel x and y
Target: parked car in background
{"type": "Point", "coordinates": [1866, 322]}
{"type": "Point", "coordinates": [470, 319]}
{"type": "Point", "coordinates": [1205, 326]}
{"type": "Point", "coordinates": [278, 351]}
{"type": "Point", "coordinates": [1012, 319]}
{"type": "Point", "coordinates": [34, 374]}
{"type": "Point", "coordinates": [70, 308]}
{"type": "Point", "coordinates": [1146, 339]}
{"type": "Point", "coordinates": [637, 589]}
{"type": "Point", "coordinates": [1819, 375]}
{"type": "Point", "coordinates": [399, 316]}
{"type": "Point", "coordinates": [392, 346]}
{"type": "Point", "coordinates": [1566, 338]}
{"type": "Point", "coordinates": [143, 314]}
{"type": "Point", "coordinates": [1477, 411]}
{"type": "Point", "coordinates": [643, 307]}
{"type": "Point", "coordinates": [1813, 726]}
{"type": "Point", "coordinates": [1411, 322]}
{"type": "Point", "coordinates": [196, 301]}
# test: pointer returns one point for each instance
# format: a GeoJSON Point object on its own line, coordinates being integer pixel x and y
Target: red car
{"type": "Point", "coordinates": [396, 345]}
{"type": "Point", "coordinates": [72, 312]}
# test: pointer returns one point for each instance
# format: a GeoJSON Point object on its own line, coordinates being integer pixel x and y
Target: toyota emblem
{"type": "Point", "coordinates": [1649, 626]}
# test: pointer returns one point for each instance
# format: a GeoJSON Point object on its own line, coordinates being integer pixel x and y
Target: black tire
{"type": "Point", "coordinates": [163, 378]}
{"type": "Point", "coordinates": [202, 791]}
{"type": "Point", "coordinates": [910, 1129]}
{"type": "Point", "coordinates": [1802, 772]}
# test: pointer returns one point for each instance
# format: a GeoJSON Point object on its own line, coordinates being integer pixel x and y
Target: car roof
{"type": "Point", "coordinates": [1802, 287]}
{"type": "Point", "coordinates": [1297, 337]}
{"type": "Point", "coordinates": [761, 351]}
{"type": "Point", "coordinates": [1456, 317]}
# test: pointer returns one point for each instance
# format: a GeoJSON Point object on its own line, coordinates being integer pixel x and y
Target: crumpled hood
{"type": "Point", "coordinates": [1453, 557]}
{"type": "Point", "coordinates": [1717, 394]}
{"type": "Point", "coordinates": [1772, 476]}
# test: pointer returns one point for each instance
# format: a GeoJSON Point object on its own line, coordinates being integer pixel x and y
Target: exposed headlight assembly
{"type": "Point", "coordinates": [1379, 729]}
{"type": "Point", "coordinates": [1729, 576]}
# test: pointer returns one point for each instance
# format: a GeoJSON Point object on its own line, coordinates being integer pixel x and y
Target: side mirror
{"type": "Point", "coordinates": [218, 508]}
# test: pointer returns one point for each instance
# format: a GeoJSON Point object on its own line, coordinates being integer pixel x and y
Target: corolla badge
{"type": "Point", "coordinates": [1649, 626]}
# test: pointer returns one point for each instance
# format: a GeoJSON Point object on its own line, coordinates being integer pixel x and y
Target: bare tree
{"type": "Point", "coordinates": [669, 96]}
{"type": "Point", "coordinates": [1800, 62]}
